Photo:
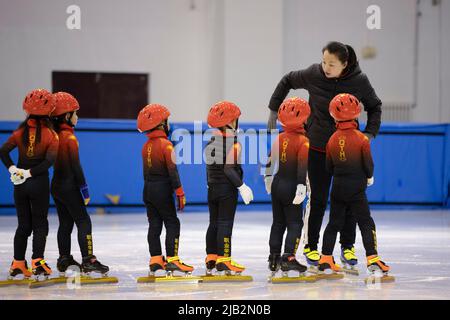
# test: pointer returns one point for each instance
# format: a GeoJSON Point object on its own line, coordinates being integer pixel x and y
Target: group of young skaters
{"type": "Point", "coordinates": [341, 152]}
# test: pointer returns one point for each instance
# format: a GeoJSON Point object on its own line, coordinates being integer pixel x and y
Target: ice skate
{"type": "Point", "coordinates": [328, 269]}
{"type": "Point", "coordinates": [274, 265]}
{"type": "Point", "coordinates": [378, 271]}
{"type": "Point", "coordinates": [41, 272]}
{"type": "Point", "coordinates": [19, 274]}
{"type": "Point", "coordinates": [156, 263]}
{"type": "Point", "coordinates": [290, 263]}
{"type": "Point", "coordinates": [312, 259]}
{"type": "Point", "coordinates": [66, 262]}
{"type": "Point", "coordinates": [349, 261]}
{"type": "Point", "coordinates": [170, 266]}
{"type": "Point", "coordinates": [210, 262]}
{"type": "Point", "coordinates": [90, 267]}
{"type": "Point", "coordinates": [228, 271]}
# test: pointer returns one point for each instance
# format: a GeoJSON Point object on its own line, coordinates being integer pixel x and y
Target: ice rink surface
{"type": "Point", "coordinates": [415, 243]}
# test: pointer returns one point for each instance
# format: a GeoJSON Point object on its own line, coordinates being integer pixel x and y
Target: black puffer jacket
{"type": "Point", "coordinates": [321, 90]}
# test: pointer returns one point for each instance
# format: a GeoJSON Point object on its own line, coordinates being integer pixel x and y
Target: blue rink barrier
{"type": "Point", "coordinates": [412, 164]}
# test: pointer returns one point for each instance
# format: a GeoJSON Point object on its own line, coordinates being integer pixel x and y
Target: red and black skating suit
{"type": "Point", "coordinates": [224, 176]}
{"type": "Point", "coordinates": [161, 180]}
{"type": "Point", "coordinates": [32, 197]}
{"type": "Point", "coordinates": [67, 180]}
{"type": "Point", "coordinates": [350, 162]}
{"type": "Point", "coordinates": [290, 151]}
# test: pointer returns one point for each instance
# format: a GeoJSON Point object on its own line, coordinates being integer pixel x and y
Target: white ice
{"type": "Point", "coordinates": [416, 244]}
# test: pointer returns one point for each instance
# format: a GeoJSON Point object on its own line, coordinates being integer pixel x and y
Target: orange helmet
{"type": "Point", "coordinates": [293, 113]}
{"type": "Point", "coordinates": [64, 102]}
{"type": "Point", "coordinates": [345, 107]}
{"type": "Point", "coordinates": [39, 102]}
{"type": "Point", "coordinates": [151, 116]}
{"type": "Point", "coordinates": [222, 113]}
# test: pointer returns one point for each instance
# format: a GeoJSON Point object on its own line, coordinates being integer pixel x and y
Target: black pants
{"type": "Point", "coordinates": [71, 210]}
{"type": "Point", "coordinates": [32, 201]}
{"type": "Point", "coordinates": [285, 216]}
{"type": "Point", "coordinates": [222, 202]}
{"type": "Point", "coordinates": [160, 203]}
{"type": "Point", "coordinates": [319, 181]}
{"type": "Point", "coordinates": [344, 198]}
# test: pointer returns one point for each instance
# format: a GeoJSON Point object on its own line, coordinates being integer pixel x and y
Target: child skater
{"type": "Point", "coordinates": [224, 178]}
{"type": "Point", "coordinates": [161, 181]}
{"type": "Point", "coordinates": [288, 186]}
{"type": "Point", "coordinates": [37, 145]}
{"type": "Point", "coordinates": [70, 191]}
{"type": "Point", "coordinates": [349, 160]}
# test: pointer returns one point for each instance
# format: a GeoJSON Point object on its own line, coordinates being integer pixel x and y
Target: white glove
{"type": "Point", "coordinates": [268, 182]}
{"type": "Point", "coordinates": [300, 194]}
{"type": "Point", "coordinates": [246, 193]}
{"type": "Point", "coordinates": [20, 176]}
{"type": "Point", "coordinates": [370, 181]}
{"type": "Point", "coordinates": [12, 170]}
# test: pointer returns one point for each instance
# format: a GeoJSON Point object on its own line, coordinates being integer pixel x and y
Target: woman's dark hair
{"type": "Point", "coordinates": [59, 120]}
{"type": "Point", "coordinates": [39, 121]}
{"type": "Point", "coordinates": [344, 52]}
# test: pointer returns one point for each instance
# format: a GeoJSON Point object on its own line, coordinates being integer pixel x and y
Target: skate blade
{"type": "Point", "coordinates": [91, 280]}
{"type": "Point", "coordinates": [383, 279]}
{"type": "Point", "coordinates": [313, 269]}
{"type": "Point", "coordinates": [226, 278]}
{"type": "Point", "coordinates": [331, 276]}
{"type": "Point", "coordinates": [294, 279]}
{"type": "Point", "coordinates": [351, 271]}
{"type": "Point", "coordinates": [44, 283]}
{"type": "Point", "coordinates": [169, 279]}
{"type": "Point", "coordinates": [22, 282]}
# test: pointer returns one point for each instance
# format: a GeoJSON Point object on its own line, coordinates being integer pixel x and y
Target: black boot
{"type": "Point", "coordinates": [64, 262]}
{"type": "Point", "coordinates": [91, 264]}
{"type": "Point", "coordinates": [289, 263]}
{"type": "Point", "coordinates": [274, 262]}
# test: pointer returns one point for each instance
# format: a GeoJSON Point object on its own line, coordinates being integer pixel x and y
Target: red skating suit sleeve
{"type": "Point", "coordinates": [6, 148]}
{"type": "Point", "coordinates": [367, 156]}
{"type": "Point", "coordinates": [231, 168]}
{"type": "Point", "coordinates": [302, 159]}
{"type": "Point", "coordinates": [170, 160]}
{"type": "Point", "coordinates": [75, 164]}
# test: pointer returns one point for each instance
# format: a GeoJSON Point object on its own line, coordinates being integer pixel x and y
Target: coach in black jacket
{"type": "Point", "coordinates": [339, 72]}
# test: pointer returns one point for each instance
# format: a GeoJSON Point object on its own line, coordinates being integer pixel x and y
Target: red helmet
{"type": "Point", "coordinates": [222, 113]}
{"type": "Point", "coordinates": [64, 102]}
{"type": "Point", "coordinates": [293, 113]}
{"type": "Point", "coordinates": [151, 116]}
{"type": "Point", "coordinates": [345, 107]}
{"type": "Point", "coordinates": [39, 102]}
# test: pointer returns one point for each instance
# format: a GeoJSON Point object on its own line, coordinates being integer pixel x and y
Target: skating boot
{"type": "Point", "coordinates": [156, 263]}
{"type": "Point", "coordinates": [18, 274]}
{"type": "Point", "coordinates": [91, 264]}
{"type": "Point", "coordinates": [231, 269]}
{"type": "Point", "coordinates": [289, 263]}
{"type": "Point", "coordinates": [210, 262]}
{"type": "Point", "coordinates": [64, 262]}
{"type": "Point", "coordinates": [41, 271]}
{"type": "Point", "coordinates": [349, 261]}
{"type": "Point", "coordinates": [378, 270]}
{"type": "Point", "coordinates": [312, 258]}
{"type": "Point", "coordinates": [175, 264]}
{"type": "Point", "coordinates": [327, 264]}
{"type": "Point", "coordinates": [274, 264]}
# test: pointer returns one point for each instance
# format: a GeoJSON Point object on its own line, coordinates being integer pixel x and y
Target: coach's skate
{"type": "Point", "coordinates": [66, 262]}
{"type": "Point", "coordinates": [91, 267]}
{"type": "Point", "coordinates": [228, 271]}
{"type": "Point", "coordinates": [328, 269]}
{"type": "Point", "coordinates": [349, 261]}
{"type": "Point", "coordinates": [274, 265]}
{"type": "Point", "coordinates": [289, 263]}
{"type": "Point", "coordinates": [312, 259]}
{"type": "Point", "coordinates": [378, 271]}
{"type": "Point", "coordinates": [19, 274]}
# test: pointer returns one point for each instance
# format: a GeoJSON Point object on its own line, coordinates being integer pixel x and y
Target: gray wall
{"type": "Point", "coordinates": [201, 51]}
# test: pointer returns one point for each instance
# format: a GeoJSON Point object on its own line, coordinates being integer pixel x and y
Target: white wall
{"type": "Point", "coordinates": [223, 49]}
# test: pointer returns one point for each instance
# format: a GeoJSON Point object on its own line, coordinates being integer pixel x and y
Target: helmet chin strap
{"type": "Point", "coordinates": [69, 121]}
